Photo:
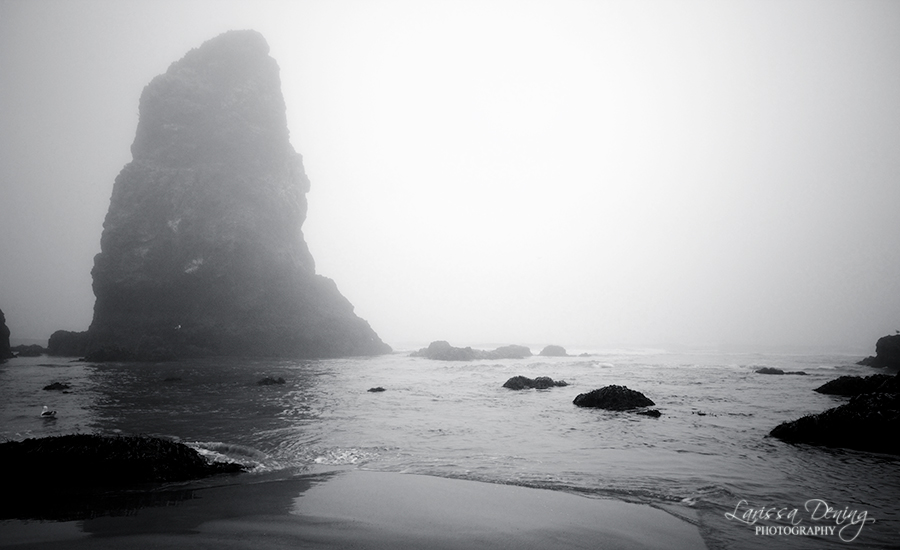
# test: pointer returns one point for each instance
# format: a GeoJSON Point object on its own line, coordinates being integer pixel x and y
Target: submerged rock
{"type": "Point", "coordinates": [613, 398]}
{"type": "Point", "coordinates": [869, 422]}
{"type": "Point", "coordinates": [849, 386]}
{"type": "Point", "coordinates": [268, 381]}
{"type": "Point", "coordinates": [57, 386]}
{"type": "Point", "coordinates": [773, 370]}
{"type": "Point", "coordinates": [539, 383]}
{"type": "Point", "coordinates": [379, 389]}
{"type": "Point", "coordinates": [202, 252]}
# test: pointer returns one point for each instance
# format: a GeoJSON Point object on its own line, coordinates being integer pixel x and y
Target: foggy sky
{"type": "Point", "coordinates": [591, 174]}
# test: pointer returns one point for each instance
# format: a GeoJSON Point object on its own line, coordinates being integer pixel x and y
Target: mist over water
{"type": "Point", "coordinates": [604, 173]}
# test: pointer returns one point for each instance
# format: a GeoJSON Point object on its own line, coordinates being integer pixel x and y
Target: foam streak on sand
{"type": "Point", "coordinates": [374, 510]}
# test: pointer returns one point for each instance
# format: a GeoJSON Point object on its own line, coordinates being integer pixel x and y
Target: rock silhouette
{"type": "Point", "coordinates": [202, 252]}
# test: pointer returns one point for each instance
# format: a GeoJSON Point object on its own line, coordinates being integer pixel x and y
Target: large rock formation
{"type": "Point", "coordinates": [202, 251]}
{"type": "Point", "coordinates": [5, 351]}
{"type": "Point", "coordinates": [613, 398]}
{"type": "Point", "coordinates": [887, 353]}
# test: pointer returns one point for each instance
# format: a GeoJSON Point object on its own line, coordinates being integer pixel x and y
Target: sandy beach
{"type": "Point", "coordinates": [369, 510]}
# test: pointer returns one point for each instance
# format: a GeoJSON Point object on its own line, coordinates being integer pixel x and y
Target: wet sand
{"type": "Point", "coordinates": [370, 510]}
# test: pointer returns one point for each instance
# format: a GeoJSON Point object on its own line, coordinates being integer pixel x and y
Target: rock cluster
{"type": "Point", "coordinates": [773, 370]}
{"type": "Point", "coordinates": [539, 383]}
{"type": "Point", "coordinates": [441, 350]}
{"type": "Point", "coordinates": [848, 386]}
{"type": "Point", "coordinates": [202, 251]}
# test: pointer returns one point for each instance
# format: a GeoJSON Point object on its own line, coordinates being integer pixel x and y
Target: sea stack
{"type": "Point", "coordinates": [202, 252]}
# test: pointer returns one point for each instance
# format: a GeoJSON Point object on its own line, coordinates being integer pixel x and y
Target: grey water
{"type": "Point", "coordinates": [707, 459]}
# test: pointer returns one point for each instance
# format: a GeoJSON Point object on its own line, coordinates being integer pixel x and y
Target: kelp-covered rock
{"type": "Point", "coordinates": [613, 398]}
{"type": "Point", "coordinates": [539, 383]}
{"type": "Point", "coordinates": [869, 422]}
{"type": "Point", "coordinates": [202, 252]}
{"type": "Point", "coordinates": [441, 350]}
{"type": "Point", "coordinates": [849, 386]}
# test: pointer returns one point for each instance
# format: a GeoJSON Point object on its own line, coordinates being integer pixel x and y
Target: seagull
{"type": "Point", "coordinates": [47, 413]}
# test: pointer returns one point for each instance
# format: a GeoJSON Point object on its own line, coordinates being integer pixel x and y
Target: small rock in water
{"type": "Point", "coordinates": [57, 386]}
{"type": "Point", "coordinates": [376, 390]}
{"type": "Point", "coordinates": [268, 381]}
{"type": "Point", "coordinates": [613, 398]}
{"type": "Point", "coordinates": [539, 383]}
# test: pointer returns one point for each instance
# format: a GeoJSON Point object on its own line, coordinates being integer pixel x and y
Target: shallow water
{"type": "Point", "coordinates": [705, 455]}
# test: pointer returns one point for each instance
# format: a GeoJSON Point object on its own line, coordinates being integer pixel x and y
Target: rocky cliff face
{"type": "Point", "coordinates": [202, 251]}
{"type": "Point", "coordinates": [5, 352]}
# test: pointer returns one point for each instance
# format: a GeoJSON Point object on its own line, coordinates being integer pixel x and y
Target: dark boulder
{"type": "Point", "coordinates": [849, 386]}
{"type": "Point", "coordinates": [268, 381]}
{"type": "Point", "coordinates": [57, 386]}
{"type": "Point", "coordinates": [378, 389]}
{"type": "Point", "coordinates": [539, 383]}
{"type": "Point", "coordinates": [5, 351]}
{"type": "Point", "coordinates": [613, 398]}
{"type": "Point", "coordinates": [869, 422]}
{"type": "Point", "coordinates": [65, 343]}
{"type": "Point", "coordinates": [553, 351]}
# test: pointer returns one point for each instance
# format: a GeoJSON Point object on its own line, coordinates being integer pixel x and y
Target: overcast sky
{"type": "Point", "coordinates": [585, 173]}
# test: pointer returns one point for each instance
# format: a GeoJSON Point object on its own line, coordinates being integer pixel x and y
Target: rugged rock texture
{"type": "Point", "coordinates": [553, 351]}
{"type": "Point", "coordinates": [848, 386]}
{"type": "Point", "coordinates": [58, 474]}
{"type": "Point", "coordinates": [613, 398]}
{"type": "Point", "coordinates": [68, 344]}
{"type": "Point", "coordinates": [202, 251]}
{"type": "Point", "coordinates": [869, 422]}
{"type": "Point", "coordinates": [887, 353]}
{"type": "Point", "coordinates": [5, 352]}
{"type": "Point", "coordinates": [539, 383]}
{"type": "Point", "coordinates": [441, 350]}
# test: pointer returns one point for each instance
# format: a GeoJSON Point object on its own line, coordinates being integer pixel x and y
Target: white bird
{"type": "Point", "coordinates": [47, 413]}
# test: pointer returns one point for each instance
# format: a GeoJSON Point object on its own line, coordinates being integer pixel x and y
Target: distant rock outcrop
{"type": "Point", "coordinates": [848, 386]}
{"type": "Point", "coordinates": [202, 251]}
{"type": "Point", "coordinates": [441, 350]}
{"type": "Point", "coordinates": [613, 398]}
{"type": "Point", "coordinates": [5, 352]}
{"type": "Point", "coordinates": [887, 353]}
{"type": "Point", "coordinates": [66, 343]}
{"type": "Point", "coordinates": [553, 351]}
{"type": "Point", "coordinates": [28, 350]}
{"type": "Point", "coordinates": [773, 370]}
{"type": "Point", "coordinates": [539, 383]}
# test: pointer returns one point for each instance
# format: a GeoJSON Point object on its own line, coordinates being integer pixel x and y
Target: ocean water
{"type": "Point", "coordinates": [707, 459]}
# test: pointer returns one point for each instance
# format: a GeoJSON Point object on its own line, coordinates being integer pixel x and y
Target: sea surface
{"type": "Point", "coordinates": [707, 459]}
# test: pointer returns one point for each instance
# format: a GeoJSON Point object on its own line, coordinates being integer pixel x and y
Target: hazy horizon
{"type": "Point", "coordinates": [589, 174]}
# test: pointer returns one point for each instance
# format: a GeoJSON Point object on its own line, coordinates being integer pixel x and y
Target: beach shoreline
{"type": "Point", "coordinates": [369, 510]}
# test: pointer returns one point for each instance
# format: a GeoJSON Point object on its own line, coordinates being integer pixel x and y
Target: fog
{"type": "Point", "coordinates": [591, 174]}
